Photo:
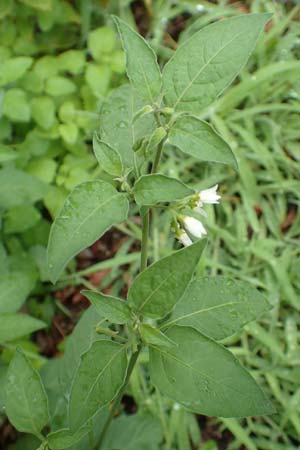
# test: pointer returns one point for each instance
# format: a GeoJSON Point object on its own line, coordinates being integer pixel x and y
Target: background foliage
{"type": "Point", "coordinates": [59, 60]}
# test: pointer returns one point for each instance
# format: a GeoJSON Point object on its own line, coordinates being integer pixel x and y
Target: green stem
{"type": "Point", "coordinates": [144, 253]}
{"type": "Point", "coordinates": [145, 237]}
{"type": "Point", "coordinates": [157, 157]}
{"type": "Point", "coordinates": [117, 401]}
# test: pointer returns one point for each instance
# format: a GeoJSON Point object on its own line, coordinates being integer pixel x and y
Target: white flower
{"type": "Point", "coordinates": [194, 226]}
{"type": "Point", "coordinates": [198, 209]}
{"type": "Point", "coordinates": [183, 237]}
{"type": "Point", "coordinates": [208, 196]}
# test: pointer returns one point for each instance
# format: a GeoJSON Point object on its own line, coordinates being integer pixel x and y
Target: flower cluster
{"type": "Point", "coordinates": [192, 227]}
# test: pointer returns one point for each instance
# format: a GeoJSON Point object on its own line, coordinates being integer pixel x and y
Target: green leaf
{"type": "Point", "coordinates": [108, 158]}
{"type": "Point", "coordinates": [57, 86]}
{"type": "Point", "coordinates": [43, 168]}
{"type": "Point", "coordinates": [69, 132]}
{"type": "Point", "coordinates": [88, 212]}
{"type": "Point", "coordinates": [156, 188]}
{"type": "Point", "coordinates": [198, 139]}
{"type": "Point", "coordinates": [43, 111]}
{"type": "Point", "coordinates": [101, 41]}
{"type": "Point", "coordinates": [98, 77]}
{"type": "Point", "coordinates": [42, 5]}
{"type": "Point", "coordinates": [18, 187]}
{"type": "Point", "coordinates": [154, 337]}
{"type": "Point", "coordinates": [142, 68]}
{"type": "Point", "coordinates": [97, 381]}
{"type": "Point", "coordinates": [25, 442]}
{"type": "Point", "coordinates": [218, 306]}
{"type": "Point", "coordinates": [16, 106]}
{"type": "Point", "coordinates": [112, 308]}
{"type": "Point", "coordinates": [65, 438]}
{"type": "Point", "coordinates": [134, 432]}
{"type": "Point", "coordinates": [7, 154]}
{"type": "Point", "coordinates": [13, 69]}
{"type": "Point", "coordinates": [26, 399]}
{"type": "Point", "coordinates": [205, 377]}
{"type": "Point", "coordinates": [58, 373]}
{"type": "Point", "coordinates": [20, 218]}
{"type": "Point", "coordinates": [14, 289]}
{"type": "Point", "coordinates": [14, 326]}
{"type": "Point", "coordinates": [116, 122]}
{"type": "Point", "coordinates": [72, 61]}
{"type": "Point", "coordinates": [155, 291]}
{"type": "Point", "coordinates": [208, 62]}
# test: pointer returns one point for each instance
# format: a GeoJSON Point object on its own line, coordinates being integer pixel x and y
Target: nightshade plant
{"type": "Point", "coordinates": [179, 317]}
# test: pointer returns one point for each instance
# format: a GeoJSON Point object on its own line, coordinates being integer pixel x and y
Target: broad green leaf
{"type": "Point", "coordinates": [98, 77]}
{"type": "Point", "coordinates": [58, 373]}
{"type": "Point", "coordinates": [205, 377]}
{"type": "Point", "coordinates": [7, 154]}
{"type": "Point", "coordinates": [43, 111]}
{"type": "Point", "coordinates": [204, 65]}
{"type": "Point", "coordinates": [142, 68]}
{"type": "Point", "coordinates": [156, 188]}
{"type": "Point", "coordinates": [134, 432]}
{"type": "Point", "coordinates": [14, 326]}
{"type": "Point", "coordinates": [20, 218]}
{"type": "Point", "coordinates": [108, 158]}
{"type": "Point", "coordinates": [153, 336]}
{"type": "Point", "coordinates": [218, 306]}
{"type": "Point", "coordinates": [18, 187]}
{"type": "Point", "coordinates": [198, 139]}
{"type": "Point", "coordinates": [112, 308]}
{"type": "Point", "coordinates": [43, 168]}
{"type": "Point", "coordinates": [16, 105]}
{"type": "Point", "coordinates": [26, 399]}
{"type": "Point", "coordinates": [72, 61]}
{"type": "Point", "coordinates": [14, 68]}
{"type": "Point", "coordinates": [65, 438]}
{"type": "Point", "coordinates": [47, 66]}
{"type": "Point", "coordinates": [42, 5]}
{"type": "Point", "coordinates": [14, 289]}
{"type": "Point", "coordinates": [69, 132]}
{"type": "Point", "coordinates": [155, 291]}
{"type": "Point", "coordinates": [26, 442]}
{"type": "Point", "coordinates": [116, 122]}
{"type": "Point", "coordinates": [90, 210]}
{"type": "Point", "coordinates": [98, 379]}
{"type": "Point", "coordinates": [57, 86]}
{"type": "Point", "coordinates": [101, 41]}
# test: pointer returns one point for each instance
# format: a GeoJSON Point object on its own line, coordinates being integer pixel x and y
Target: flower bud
{"type": "Point", "coordinates": [194, 226]}
{"type": "Point", "coordinates": [183, 237]}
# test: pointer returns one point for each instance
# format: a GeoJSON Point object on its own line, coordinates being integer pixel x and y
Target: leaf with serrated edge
{"type": "Point", "coordinates": [142, 68]}
{"type": "Point", "coordinates": [26, 399]}
{"type": "Point", "coordinates": [157, 289]}
{"type": "Point", "coordinates": [156, 188]}
{"type": "Point", "coordinates": [88, 212]}
{"type": "Point", "coordinates": [97, 381]}
{"type": "Point", "coordinates": [208, 62]}
{"type": "Point", "coordinates": [205, 377]}
{"type": "Point", "coordinates": [218, 306]}
{"type": "Point", "coordinates": [198, 139]}
{"type": "Point", "coordinates": [112, 308]}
